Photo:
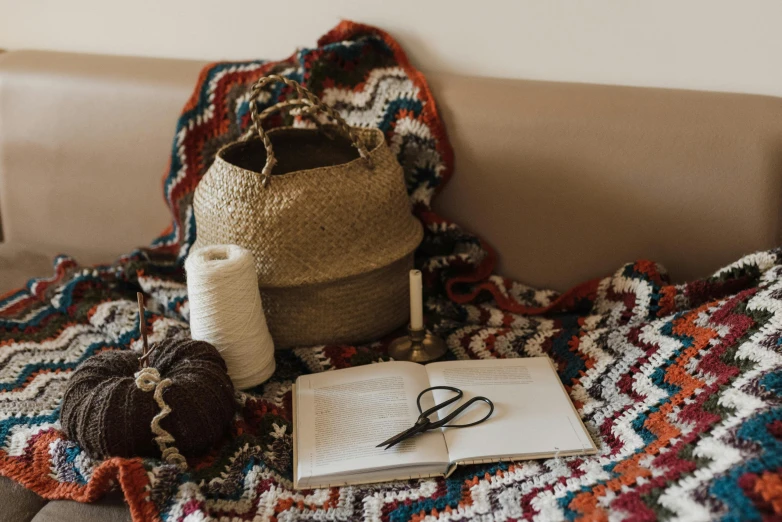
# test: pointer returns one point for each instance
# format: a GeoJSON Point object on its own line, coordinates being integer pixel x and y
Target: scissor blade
{"type": "Point", "coordinates": [399, 437]}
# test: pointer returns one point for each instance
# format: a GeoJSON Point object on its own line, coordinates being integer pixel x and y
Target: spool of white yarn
{"type": "Point", "coordinates": [226, 311]}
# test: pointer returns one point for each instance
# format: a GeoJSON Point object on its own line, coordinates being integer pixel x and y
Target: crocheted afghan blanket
{"type": "Point", "coordinates": [679, 385]}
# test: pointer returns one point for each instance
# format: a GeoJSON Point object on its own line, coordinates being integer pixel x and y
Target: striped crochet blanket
{"type": "Point", "coordinates": [680, 385]}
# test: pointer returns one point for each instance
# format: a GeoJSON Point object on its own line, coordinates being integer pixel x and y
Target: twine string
{"type": "Point", "coordinates": [147, 380]}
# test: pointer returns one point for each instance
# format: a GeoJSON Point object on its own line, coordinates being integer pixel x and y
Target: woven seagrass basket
{"type": "Point", "coordinates": [330, 227]}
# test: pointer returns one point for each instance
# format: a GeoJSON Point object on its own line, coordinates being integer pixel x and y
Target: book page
{"type": "Point", "coordinates": [342, 416]}
{"type": "Point", "coordinates": [533, 416]}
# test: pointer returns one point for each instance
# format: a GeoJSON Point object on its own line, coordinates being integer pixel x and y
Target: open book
{"type": "Point", "coordinates": [340, 416]}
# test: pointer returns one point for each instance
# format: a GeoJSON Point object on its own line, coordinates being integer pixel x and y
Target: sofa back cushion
{"type": "Point", "coordinates": [569, 181]}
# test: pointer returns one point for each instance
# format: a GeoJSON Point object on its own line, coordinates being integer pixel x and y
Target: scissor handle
{"type": "Point", "coordinates": [443, 423]}
{"type": "Point", "coordinates": [459, 394]}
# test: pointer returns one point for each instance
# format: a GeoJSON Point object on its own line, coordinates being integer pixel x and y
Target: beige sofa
{"type": "Point", "coordinates": [566, 181]}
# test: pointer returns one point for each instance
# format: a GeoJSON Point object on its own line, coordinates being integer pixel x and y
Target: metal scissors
{"type": "Point", "coordinates": [424, 423]}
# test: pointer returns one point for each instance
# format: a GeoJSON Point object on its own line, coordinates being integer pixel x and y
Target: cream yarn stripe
{"type": "Point", "coordinates": [226, 311]}
{"type": "Point", "coordinates": [148, 379]}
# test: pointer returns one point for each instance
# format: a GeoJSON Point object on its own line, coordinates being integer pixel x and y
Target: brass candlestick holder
{"type": "Point", "coordinates": [417, 346]}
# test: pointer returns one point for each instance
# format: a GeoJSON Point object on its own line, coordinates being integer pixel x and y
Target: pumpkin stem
{"type": "Point", "coordinates": [142, 322]}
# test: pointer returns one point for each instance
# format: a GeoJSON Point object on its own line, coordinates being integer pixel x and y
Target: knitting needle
{"type": "Point", "coordinates": [142, 322]}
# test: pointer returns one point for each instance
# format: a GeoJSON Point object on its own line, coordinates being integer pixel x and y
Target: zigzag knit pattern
{"type": "Point", "coordinates": [679, 385]}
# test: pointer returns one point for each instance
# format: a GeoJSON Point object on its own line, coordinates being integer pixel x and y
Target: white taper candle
{"type": "Point", "coordinates": [416, 301]}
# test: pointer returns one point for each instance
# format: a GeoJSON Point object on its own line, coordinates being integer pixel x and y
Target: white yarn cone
{"type": "Point", "coordinates": [226, 311]}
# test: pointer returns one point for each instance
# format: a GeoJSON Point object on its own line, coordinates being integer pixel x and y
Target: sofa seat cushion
{"type": "Point", "coordinates": [111, 508]}
{"type": "Point", "coordinates": [18, 504]}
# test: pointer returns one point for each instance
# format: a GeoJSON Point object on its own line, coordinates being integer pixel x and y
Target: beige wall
{"type": "Point", "coordinates": [732, 45]}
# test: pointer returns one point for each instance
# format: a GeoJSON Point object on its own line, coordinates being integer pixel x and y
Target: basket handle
{"type": "Point", "coordinates": [310, 103]}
